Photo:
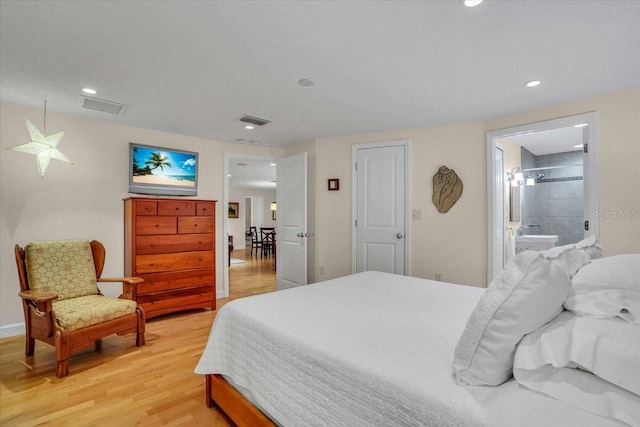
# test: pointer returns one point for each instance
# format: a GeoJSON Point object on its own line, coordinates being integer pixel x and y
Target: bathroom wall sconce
{"type": "Point", "coordinates": [516, 177]}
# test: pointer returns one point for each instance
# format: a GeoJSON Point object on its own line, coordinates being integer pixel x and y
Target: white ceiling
{"type": "Point", "coordinates": [252, 174]}
{"type": "Point", "coordinates": [196, 67]}
{"type": "Point", "coordinates": [551, 141]}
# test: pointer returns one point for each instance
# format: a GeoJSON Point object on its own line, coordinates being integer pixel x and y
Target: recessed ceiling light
{"type": "Point", "coordinates": [272, 164]}
{"type": "Point", "coordinates": [581, 125]}
{"type": "Point", "coordinates": [472, 3]}
{"type": "Point", "coordinates": [89, 90]}
{"type": "Point", "coordinates": [248, 127]}
{"type": "Point", "coordinates": [532, 83]}
{"type": "Point", "coordinates": [305, 82]}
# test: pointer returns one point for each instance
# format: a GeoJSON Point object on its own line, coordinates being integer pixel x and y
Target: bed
{"type": "Point", "coordinates": [363, 350]}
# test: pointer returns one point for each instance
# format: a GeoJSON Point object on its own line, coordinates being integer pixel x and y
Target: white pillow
{"type": "Point", "coordinates": [607, 287]}
{"type": "Point", "coordinates": [571, 258]}
{"type": "Point", "coordinates": [590, 246]}
{"type": "Point", "coordinates": [593, 364]}
{"type": "Point", "coordinates": [526, 294]}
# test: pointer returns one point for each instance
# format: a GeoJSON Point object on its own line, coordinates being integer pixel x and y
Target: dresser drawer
{"type": "Point", "coordinates": [177, 208]}
{"type": "Point", "coordinates": [156, 225]}
{"type": "Point", "coordinates": [147, 207]}
{"type": "Point", "coordinates": [154, 244]}
{"type": "Point", "coordinates": [195, 224]}
{"type": "Point", "coordinates": [205, 208]}
{"type": "Point", "coordinates": [160, 303]}
{"type": "Point", "coordinates": [159, 282]}
{"type": "Point", "coordinates": [175, 261]}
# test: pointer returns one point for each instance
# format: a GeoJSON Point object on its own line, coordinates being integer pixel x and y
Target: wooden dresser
{"type": "Point", "coordinates": [170, 243]}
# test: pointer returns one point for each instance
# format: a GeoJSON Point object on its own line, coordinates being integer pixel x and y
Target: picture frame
{"type": "Point", "coordinates": [234, 209]}
{"type": "Point", "coordinates": [333, 184]}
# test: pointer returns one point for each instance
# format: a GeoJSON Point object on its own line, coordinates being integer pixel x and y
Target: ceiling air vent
{"type": "Point", "coordinates": [254, 120]}
{"type": "Point", "coordinates": [104, 106]}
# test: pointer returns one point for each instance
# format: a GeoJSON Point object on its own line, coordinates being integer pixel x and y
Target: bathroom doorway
{"type": "Point", "coordinates": [549, 181]}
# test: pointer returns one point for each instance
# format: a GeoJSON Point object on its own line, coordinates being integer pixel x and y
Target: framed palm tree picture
{"type": "Point", "coordinates": [162, 171]}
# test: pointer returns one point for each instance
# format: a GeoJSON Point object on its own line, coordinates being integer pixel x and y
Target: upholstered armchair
{"type": "Point", "coordinates": [62, 303]}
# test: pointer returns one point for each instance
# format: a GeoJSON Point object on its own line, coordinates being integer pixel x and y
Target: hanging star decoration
{"type": "Point", "coordinates": [44, 147]}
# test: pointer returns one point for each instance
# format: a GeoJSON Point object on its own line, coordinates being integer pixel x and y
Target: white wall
{"type": "Point", "coordinates": [439, 242]}
{"type": "Point", "coordinates": [84, 200]}
{"type": "Point", "coordinates": [454, 243]}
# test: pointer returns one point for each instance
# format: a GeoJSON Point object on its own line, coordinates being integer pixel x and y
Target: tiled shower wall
{"type": "Point", "coordinates": [556, 202]}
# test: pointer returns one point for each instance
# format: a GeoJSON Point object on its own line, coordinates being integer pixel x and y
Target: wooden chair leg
{"type": "Point", "coordinates": [98, 344]}
{"type": "Point", "coordinates": [62, 354]}
{"type": "Point", "coordinates": [140, 340]}
{"type": "Point", "coordinates": [63, 368]}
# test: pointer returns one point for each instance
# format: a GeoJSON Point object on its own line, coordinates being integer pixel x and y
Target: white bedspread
{"type": "Point", "coordinates": [371, 349]}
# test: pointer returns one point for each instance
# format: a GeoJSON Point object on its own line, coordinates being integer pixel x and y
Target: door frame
{"type": "Point", "coordinates": [223, 291]}
{"type": "Point", "coordinates": [589, 174]}
{"type": "Point", "coordinates": [407, 198]}
{"type": "Point", "coordinates": [500, 201]}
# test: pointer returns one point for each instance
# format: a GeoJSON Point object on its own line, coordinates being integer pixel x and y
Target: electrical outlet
{"type": "Point", "coordinates": [439, 277]}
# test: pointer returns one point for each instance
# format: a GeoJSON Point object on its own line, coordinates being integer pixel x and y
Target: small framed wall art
{"type": "Point", "coordinates": [234, 209]}
{"type": "Point", "coordinates": [333, 184]}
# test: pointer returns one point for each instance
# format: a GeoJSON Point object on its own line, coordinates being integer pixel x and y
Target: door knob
{"type": "Point", "coordinates": [302, 234]}
{"type": "Point", "coordinates": [399, 236]}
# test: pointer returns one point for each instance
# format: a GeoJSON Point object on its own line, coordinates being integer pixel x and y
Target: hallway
{"type": "Point", "coordinates": [253, 276]}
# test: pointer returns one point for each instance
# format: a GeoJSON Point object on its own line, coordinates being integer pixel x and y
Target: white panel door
{"type": "Point", "coordinates": [291, 231]}
{"type": "Point", "coordinates": [380, 223]}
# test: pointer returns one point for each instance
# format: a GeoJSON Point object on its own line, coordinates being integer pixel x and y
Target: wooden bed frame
{"type": "Point", "coordinates": [242, 412]}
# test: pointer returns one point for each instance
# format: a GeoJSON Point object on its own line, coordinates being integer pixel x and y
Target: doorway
{"type": "Point", "coordinates": [546, 139]}
{"type": "Point", "coordinates": [252, 177]}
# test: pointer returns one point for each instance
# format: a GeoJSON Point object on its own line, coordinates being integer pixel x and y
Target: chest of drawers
{"type": "Point", "coordinates": [171, 245]}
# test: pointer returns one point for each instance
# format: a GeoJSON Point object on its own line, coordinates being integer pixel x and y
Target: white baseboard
{"type": "Point", "coordinates": [12, 330]}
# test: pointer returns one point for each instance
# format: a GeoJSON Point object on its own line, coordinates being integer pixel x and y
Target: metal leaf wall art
{"type": "Point", "coordinates": [447, 189]}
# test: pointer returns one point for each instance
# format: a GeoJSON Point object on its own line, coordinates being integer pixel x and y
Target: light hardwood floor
{"type": "Point", "coordinates": [123, 384]}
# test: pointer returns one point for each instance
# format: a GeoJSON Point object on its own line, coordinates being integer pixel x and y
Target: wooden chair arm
{"type": "Point", "coordinates": [129, 290]}
{"type": "Point", "coordinates": [128, 280]}
{"type": "Point", "coordinates": [38, 296]}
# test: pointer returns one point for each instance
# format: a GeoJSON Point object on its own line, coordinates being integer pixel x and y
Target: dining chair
{"type": "Point", "coordinates": [256, 242]}
{"type": "Point", "coordinates": [268, 235]}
